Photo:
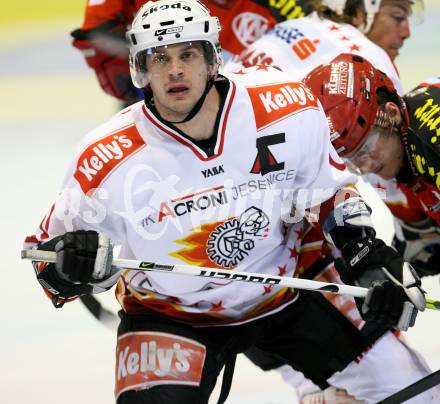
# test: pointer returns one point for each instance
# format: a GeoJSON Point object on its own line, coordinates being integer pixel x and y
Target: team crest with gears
{"type": "Point", "coordinates": [232, 241]}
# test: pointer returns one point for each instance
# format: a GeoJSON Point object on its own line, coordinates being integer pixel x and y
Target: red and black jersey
{"type": "Point", "coordinates": [423, 145]}
{"type": "Point", "coordinates": [243, 21]}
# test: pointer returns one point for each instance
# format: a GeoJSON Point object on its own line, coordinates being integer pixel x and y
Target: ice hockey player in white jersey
{"type": "Point", "coordinates": [220, 170]}
{"type": "Point", "coordinates": [373, 29]}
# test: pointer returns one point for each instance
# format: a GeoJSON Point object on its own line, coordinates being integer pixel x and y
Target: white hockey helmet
{"type": "Point", "coordinates": [167, 22]}
{"type": "Point", "coordinates": [371, 8]}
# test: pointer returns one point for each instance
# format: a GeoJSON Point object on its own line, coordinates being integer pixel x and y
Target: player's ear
{"type": "Point", "coordinates": [358, 19]}
{"type": "Point", "coordinates": [394, 112]}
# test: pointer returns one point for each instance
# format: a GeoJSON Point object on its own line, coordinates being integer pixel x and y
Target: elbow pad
{"type": "Point", "coordinates": [349, 220]}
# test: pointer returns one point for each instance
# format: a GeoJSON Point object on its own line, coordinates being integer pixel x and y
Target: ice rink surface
{"type": "Point", "coordinates": [49, 100]}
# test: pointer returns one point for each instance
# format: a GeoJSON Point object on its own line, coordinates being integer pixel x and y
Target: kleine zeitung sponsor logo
{"type": "Point", "coordinates": [340, 80]}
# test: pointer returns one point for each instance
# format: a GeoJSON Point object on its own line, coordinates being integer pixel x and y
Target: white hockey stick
{"type": "Point", "coordinates": [252, 277]}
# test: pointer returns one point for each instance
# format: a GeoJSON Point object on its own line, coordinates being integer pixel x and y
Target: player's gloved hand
{"type": "Point", "coordinates": [83, 264]}
{"type": "Point", "coordinates": [395, 294]}
{"type": "Point", "coordinates": [419, 244]}
{"type": "Point", "coordinates": [331, 395]}
{"type": "Point", "coordinates": [106, 51]}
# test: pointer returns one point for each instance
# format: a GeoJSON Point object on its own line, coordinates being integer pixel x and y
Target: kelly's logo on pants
{"type": "Point", "coordinates": [146, 359]}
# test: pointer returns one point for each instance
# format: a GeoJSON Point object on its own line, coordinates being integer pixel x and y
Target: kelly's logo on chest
{"type": "Point", "coordinates": [273, 103]}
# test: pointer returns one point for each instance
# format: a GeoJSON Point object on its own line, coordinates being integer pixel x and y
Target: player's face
{"type": "Point", "coordinates": [391, 26]}
{"type": "Point", "coordinates": [178, 75]}
{"type": "Point", "coordinates": [381, 154]}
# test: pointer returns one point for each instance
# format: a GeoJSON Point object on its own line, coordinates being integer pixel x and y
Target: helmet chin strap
{"type": "Point", "coordinates": [407, 172]}
{"type": "Point", "coordinates": [371, 9]}
{"type": "Point", "coordinates": [195, 109]}
{"type": "Point", "coordinates": [337, 6]}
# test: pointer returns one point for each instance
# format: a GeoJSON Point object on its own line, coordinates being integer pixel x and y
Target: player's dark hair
{"type": "Point", "coordinates": [384, 96]}
{"type": "Point", "coordinates": [350, 10]}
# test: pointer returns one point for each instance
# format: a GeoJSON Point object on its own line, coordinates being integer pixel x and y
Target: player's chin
{"type": "Point", "coordinates": [393, 52]}
{"type": "Point", "coordinates": [182, 107]}
{"type": "Point", "coordinates": [388, 172]}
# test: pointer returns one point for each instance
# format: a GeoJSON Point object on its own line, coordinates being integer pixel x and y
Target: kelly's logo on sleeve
{"type": "Point", "coordinates": [97, 161]}
{"type": "Point", "coordinates": [275, 102]}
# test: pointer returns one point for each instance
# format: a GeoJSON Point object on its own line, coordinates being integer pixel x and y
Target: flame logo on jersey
{"type": "Point", "coordinates": [195, 251]}
{"type": "Point", "coordinates": [224, 244]}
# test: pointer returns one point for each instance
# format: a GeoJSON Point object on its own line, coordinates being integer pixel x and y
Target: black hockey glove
{"type": "Point", "coordinates": [419, 244]}
{"type": "Point", "coordinates": [394, 295]}
{"type": "Point", "coordinates": [83, 265]}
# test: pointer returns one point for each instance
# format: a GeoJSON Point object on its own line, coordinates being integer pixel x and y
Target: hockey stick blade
{"type": "Point", "coordinates": [433, 304]}
{"type": "Point", "coordinates": [428, 382]}
{"type": "Point", "coordinates": [109, 319]}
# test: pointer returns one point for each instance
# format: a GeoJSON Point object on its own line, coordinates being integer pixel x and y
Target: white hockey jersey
{"type": "Point", "coordinates": [166, 199]}
{"type": "Point", "coordinates": [298, 46]}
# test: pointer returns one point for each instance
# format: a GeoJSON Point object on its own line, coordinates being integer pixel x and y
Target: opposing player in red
{"type": "Point", "coordinates": [393, 141]}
